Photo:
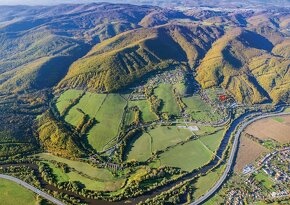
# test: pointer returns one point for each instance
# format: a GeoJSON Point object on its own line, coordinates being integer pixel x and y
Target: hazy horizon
{"type": "Point", "coordinates": [148, 2]}
{"type": "Point", "coordinates": [45, 2]}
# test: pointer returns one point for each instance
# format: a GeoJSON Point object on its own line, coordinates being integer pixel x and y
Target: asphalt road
{"type": "Point", "coordinates": [32, 188]}
{"type": "Point", "coordinates": [232, 157]}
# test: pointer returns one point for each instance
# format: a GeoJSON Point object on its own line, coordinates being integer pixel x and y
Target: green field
{"type": "Point", "coordinates": [80, 166]}
{"type": "Point", "coordinates": [204, 183]}
{"type": "Point", "coordinates": [200, 110]}
{"type": "Point", "coordinates": [109, 117]}
{"type": "Point", "coordinates": [165, 93]}
{"type": "Point", "coordinates": [157, 139]}
{"type": "Point", "coordinates": [65, 99]}
{"type": "Point", "coordinates": [212, 141]}
{"type": "Point", "coordinates": [205, 130]}
{"type": "Point", "coordinates": [129, 117]}
{"type": "Point", "coordinates": [60, 175]}
{"type": "Point", "coordinates": [215, 200]}
{"type": "Point", "coordinates": [98, 179]}
{"type": "Point", "coordinates": [89, 104]}
{"type": "Point", "coordinates": [90, 184]}
{"type": "Point", "coordinates": [278, 119]}
{"type": "Point", "coordinates": [14, 194]}
{"type": "Point", "coordinates": [188, 157]}
{"type": "Point", "coordinates": [165, 136]}
{"type": "Point", "coordinates": [180, 88]}
{"type": "Point", "coordinates": [265, 180]}
{"type": "Point", "coordinates": [106, 109]}
{"type": "Point", "coordinates": [144, 107]}
{"type": "Point", "coordinates": [141, 149]}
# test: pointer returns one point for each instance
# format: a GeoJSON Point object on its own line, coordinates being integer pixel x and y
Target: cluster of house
{"type": "Point", "coordinates": [282, 193]}
{"type": "Point", "coordinates": [276, 166]}
{"type": "Point", "coordinates": [235, 197]}
{"type": "Point", "coordinates": [271, 168]}
{"type": "Point", "coordinates": [138, 93]}
{"type": "Point", "coordinates": [256, 193]}
{"type": "Point", "coordinates": [170, 77]}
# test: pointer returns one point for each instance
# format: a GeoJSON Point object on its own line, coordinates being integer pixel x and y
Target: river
{"type": "Point", "coordinates": [219, 154]}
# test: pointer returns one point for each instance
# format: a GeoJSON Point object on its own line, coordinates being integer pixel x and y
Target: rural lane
{"type": "Point", "coordinates": [32, 188]}
{"type": "Point", "coordinates": [232, 157]}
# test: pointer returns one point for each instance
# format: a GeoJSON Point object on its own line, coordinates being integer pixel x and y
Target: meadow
{"type": "Point", "coordinates": [89, 104]}
{"type": "Point", "coordinates": [212, 141]}
{"type": "Point", "coordinates": [66, 98]}
{"type": "Point", "coordinates": [188, 156]}
{"type": "Point", "coordinates": [12, 193]}
{"type": "Point", "coordinates": [265, 180]}
{"type": "Point", "coordinates": [165, 93]}
{"type": "Point", "coordinates": [157, 139]}
{"type": "Point", "coordinates": [204, 183]}
{"type": "Point", "coordinates": [79, 166]}
{"type": "Point", "coordinates": [108, 118]}
{"type": "Point", "coordinates": [90, 184]}
{"type": "Point", "coordinates": [200, 110]}
{"type": "Point", "coordinates": [92, 177]}
{"type": "Point", "coordinates": [144, 107]}
{"type": "Point", "coordinates": [106, 109]}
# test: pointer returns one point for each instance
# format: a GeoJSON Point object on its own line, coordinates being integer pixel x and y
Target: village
{"type": "Point", "coordinates": [267, 180]}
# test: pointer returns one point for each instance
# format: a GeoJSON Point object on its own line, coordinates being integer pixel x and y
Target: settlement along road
{"type": "Point", "coordinates": [32, 188]}
{"type": "Point", "coordinates": [232, 157]}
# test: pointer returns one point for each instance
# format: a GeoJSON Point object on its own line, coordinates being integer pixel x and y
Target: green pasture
{"type": "Point", "coordinates": [144, 107]}
{"type": "Point", "coordinates": [157, 139]}
{"type": "Point", "coordinates": [12, 194]}
{"type": "Point", "coordinates": [188, 156]}
{"type": "Point", "coordinates": [165, 93]}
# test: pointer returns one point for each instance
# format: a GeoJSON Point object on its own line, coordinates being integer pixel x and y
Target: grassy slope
{"type": "Point", "coordinates": [155, 140]}
{"type": "Point", "coordinates": [212, 141]}
{"type": "Point", "coordinates": [165, 93]}
{"type": "Point", "coordinates": [265, 180]}
{"type": "Point", "coordinates": [109, 117]}
{"type": "Point", "coordinates": [189, 156]}
{"type": "Point", "coordinates": [80, 166]}
{"type": "Point", "coordinates": [144, 107]}
{"type": "Point", "coordinates": [89, 104]}
{"type": "Point", "coordinates": [199, 110]}
{"type": "Point", "coordinates": [12, 194]}
{"type": "Point", "coordinates": [141, 149]}
{"type": "Point", "coordinates": [65, 99]}
{"type": "Point", "coordinates": [106, 109]}
{"type": "Point", "coordinates": [204, 183]}
{"type": "Point", "coordinates": [91, 184]}
{"type": "Point", "coordinates": [166, 136]}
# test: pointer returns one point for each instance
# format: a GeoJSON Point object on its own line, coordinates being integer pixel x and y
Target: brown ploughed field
{"type": "Point", "coordinates": [248, 152]}
{"type": "Point", "coordinates": [277, 128]}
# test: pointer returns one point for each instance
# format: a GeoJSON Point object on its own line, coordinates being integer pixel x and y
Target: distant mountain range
{"type": "Point", "coordinates": [183, 3]}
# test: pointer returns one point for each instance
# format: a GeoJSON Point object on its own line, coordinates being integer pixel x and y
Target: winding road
{"type": "Point", "coordinates": [32, 188]}
{"type": "Point", "coordinates": [231, 160]}
{"type": "Point", "coordinates": [232, 157]}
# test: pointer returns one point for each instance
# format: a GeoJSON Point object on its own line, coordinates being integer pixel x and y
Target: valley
{"type": "Point", "coordinates": [147, 105]}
